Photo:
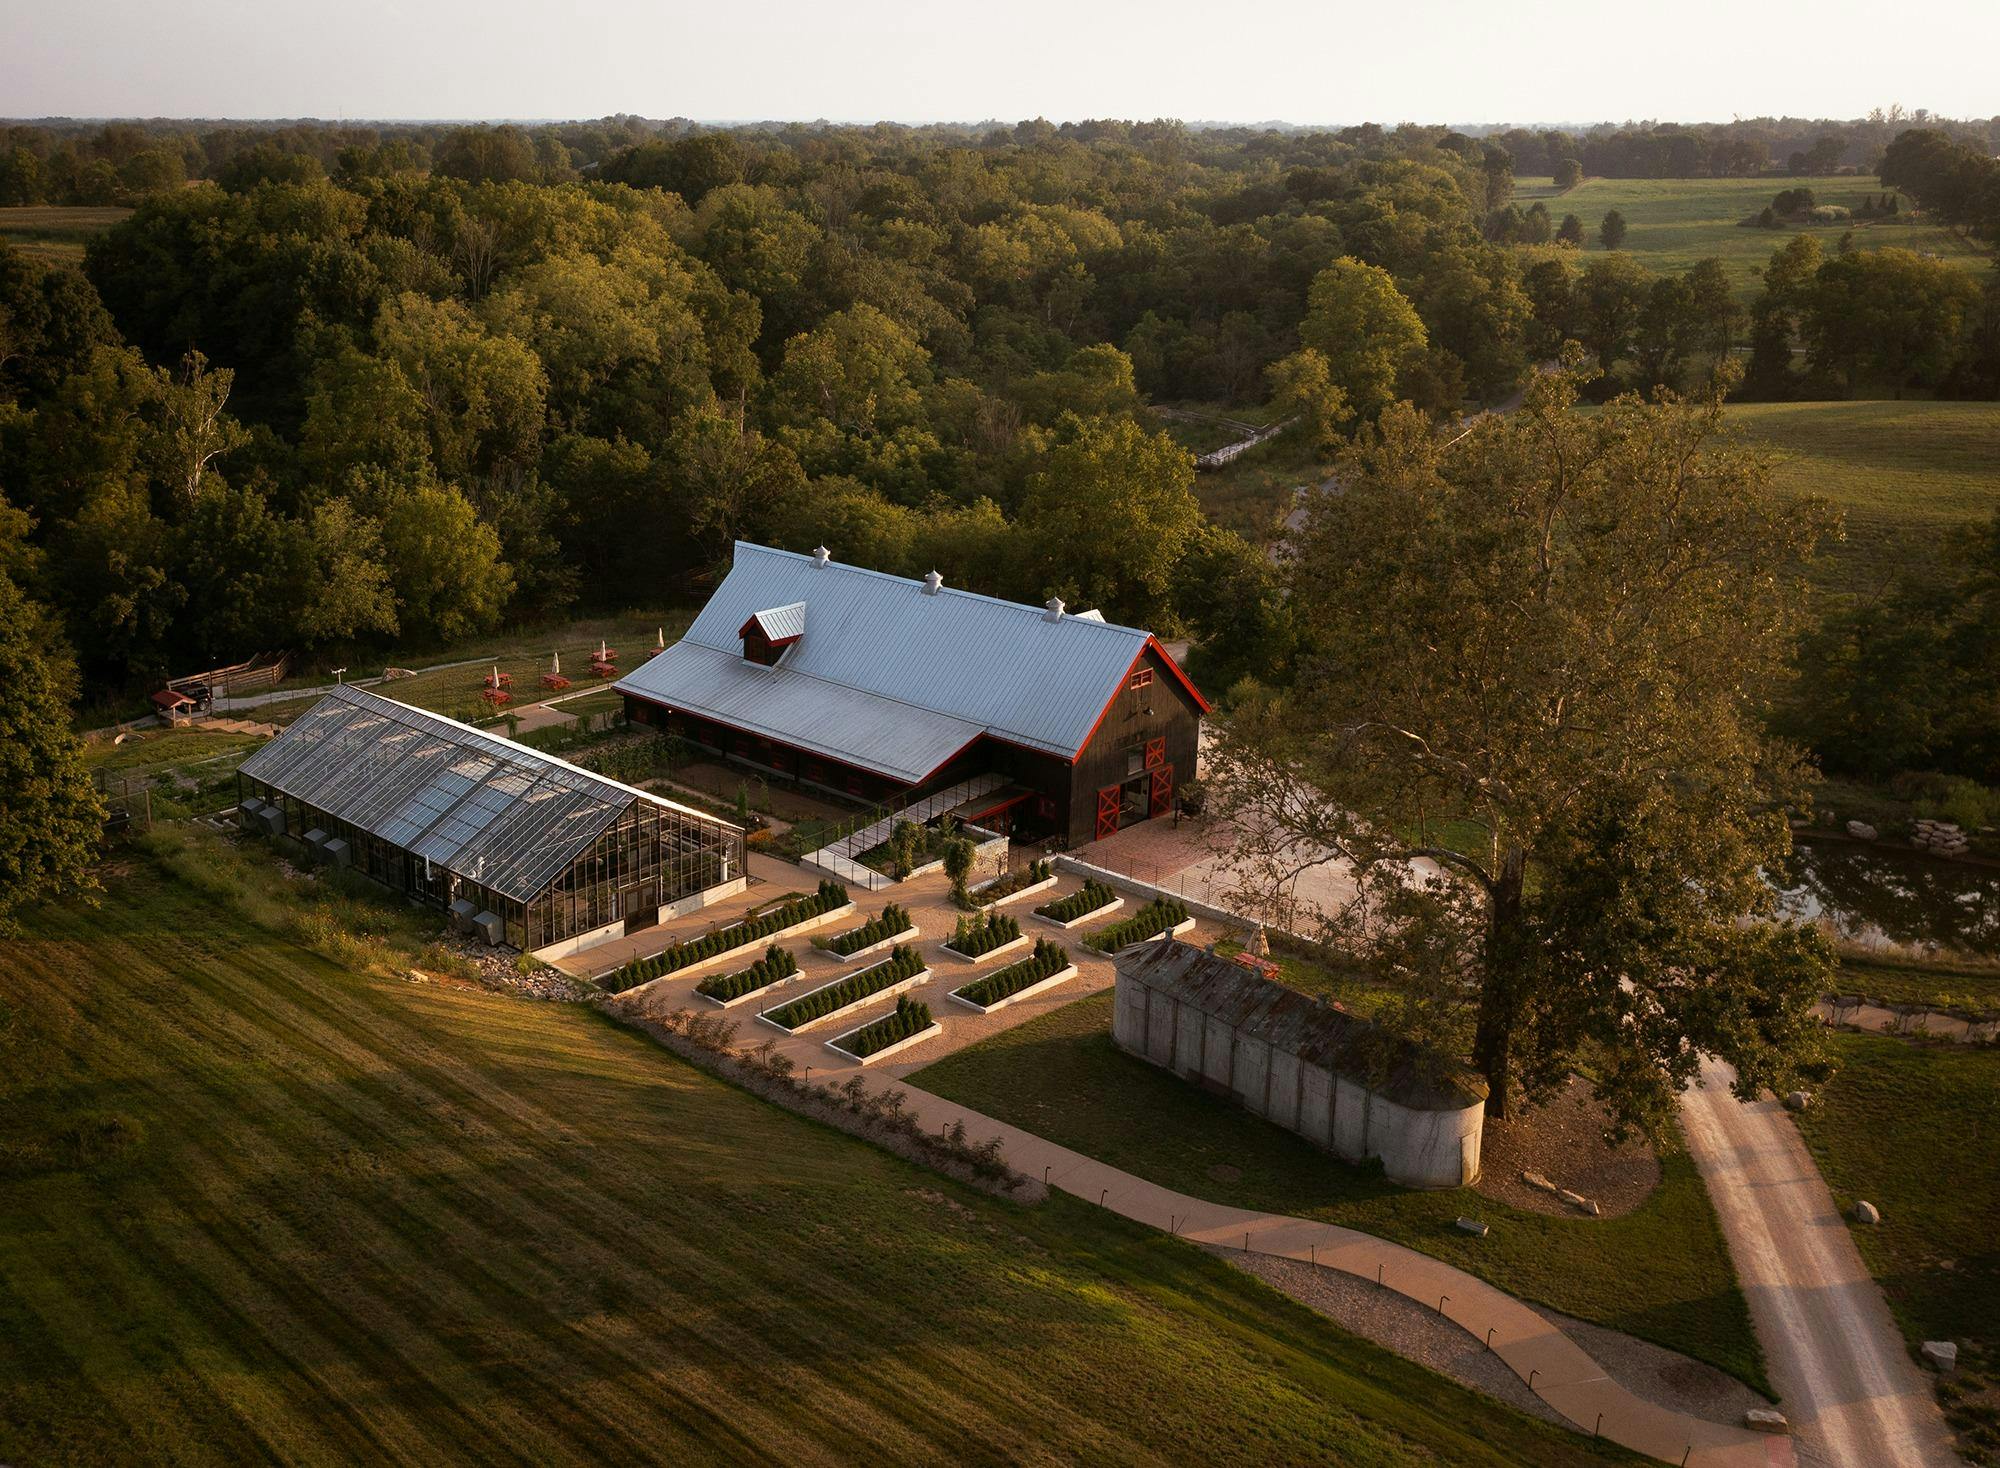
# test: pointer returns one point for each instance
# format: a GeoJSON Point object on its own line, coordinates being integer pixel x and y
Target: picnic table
{"type": "Point", "coordinates": [554, 682]}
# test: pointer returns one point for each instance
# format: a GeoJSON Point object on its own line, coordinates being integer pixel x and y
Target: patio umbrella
{"type": "Point", "coordinates": [555, 663]}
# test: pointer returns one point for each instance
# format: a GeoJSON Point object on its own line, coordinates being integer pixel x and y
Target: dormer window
{"type": "Point", "coordinates": [768, 633]}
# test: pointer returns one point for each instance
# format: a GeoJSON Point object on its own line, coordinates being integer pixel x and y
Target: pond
{"type": "Point", "coordinates": [1882, 898]}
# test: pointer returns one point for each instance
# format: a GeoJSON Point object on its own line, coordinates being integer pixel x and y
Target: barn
{"type": "Point", "coordinates": [1332, 1077]}
{"type": "Point", "coordinates": [886, 688]}
{"type": "Point", "coordinates": [525, 848]}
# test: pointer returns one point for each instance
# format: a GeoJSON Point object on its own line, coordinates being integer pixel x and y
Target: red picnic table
{"type": "Point", "coordinates": [554, 682]}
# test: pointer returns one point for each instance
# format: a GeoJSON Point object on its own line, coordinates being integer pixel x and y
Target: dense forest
{"type": "Point", "coordinates": [364, 386]}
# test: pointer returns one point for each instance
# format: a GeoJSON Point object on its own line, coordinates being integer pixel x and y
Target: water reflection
{"type": "Point", "coordinates": [1882, 898]}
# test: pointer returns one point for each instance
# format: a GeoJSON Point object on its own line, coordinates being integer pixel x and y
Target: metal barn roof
{"type": "Point", "coordinates": [1301, 1025]}
{"type": "Point", "coordinates": [492, 811]}
{"type": "Point", "coordinates": [924, 671]}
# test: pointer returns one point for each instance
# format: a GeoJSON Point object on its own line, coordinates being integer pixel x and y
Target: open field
{"type": "Point", "coordinates": [259, 1205]}
{"type": "Point", "coordinates": [1912, 1128]}
{"type": "Point", "coordinates": [1660, 1272]}
{"type": "Point", "coordinates": [55, 234]}
{"type": "Point", "coordinates": [1673, 222]}
{"type": "Point", "coordinates": [1902, 473]}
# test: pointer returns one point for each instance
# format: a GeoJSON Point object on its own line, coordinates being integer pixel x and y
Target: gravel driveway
{"type": "Point", "coordinates": [1854, 1396]}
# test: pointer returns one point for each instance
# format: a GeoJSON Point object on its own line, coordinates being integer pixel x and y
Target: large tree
{"type": "Point", "coordinates": [1366, 329]}
{"type": "Point", "coordinates": [49, 814]}
{"type": "Point", "coordinates": [1538, 657]}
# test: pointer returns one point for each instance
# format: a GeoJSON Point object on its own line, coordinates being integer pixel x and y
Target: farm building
{"type": "Point", "coordinates": [1335, 1079]}
{"type": "Point", "coordinates": [526, 848]}
{"type": "Point", "coordinates": [887, 688]}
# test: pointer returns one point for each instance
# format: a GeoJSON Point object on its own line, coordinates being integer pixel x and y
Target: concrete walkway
{"type": "Point", "coordinates": [1854, 1396]}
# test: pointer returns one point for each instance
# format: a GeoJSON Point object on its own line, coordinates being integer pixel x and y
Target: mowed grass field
{"type": "Point", "coordinates": [53, 233]}
{"type": "Point", "coordinates": [1904, 474]}
{"type": "Point", "coordinates": [259, 1205]}
{"type": "Point", "coordinates": [1674, 222]}
{"type": "Point", "coordinates": [1661, 1271]}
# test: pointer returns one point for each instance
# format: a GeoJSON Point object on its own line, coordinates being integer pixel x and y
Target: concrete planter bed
{"type": "Point", "coordinates": [1160, 918]}
{"type": "Point", "coordinates": [910, 1024]}
{"type": "Point", "coordinates": [1092, 900]}
{"type": "Point", "coordinates": [730, 990]}
{"type": "Point", "coordinates": [829, 902]}
{"type": "Point", "coordinates": [1048, 967]}
{"type": "Point", "coordinates": [1039, 878]}
{"type": "Point", "coordinates": [886, 930]}
{"type": "Point", "coordinates": [988, 935]}
{"type": "Point", "coordinates": [902, 971]}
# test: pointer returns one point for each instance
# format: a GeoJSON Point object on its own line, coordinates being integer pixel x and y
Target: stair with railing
{"type": "Point", "coordinates": [838, 858]}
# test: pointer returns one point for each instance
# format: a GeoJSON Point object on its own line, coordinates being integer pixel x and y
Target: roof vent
{"type": "Point", "coordinates": [1054, 612]}
{"type": "Point", "coordinates": [933, 583]}
{"type": "Point", "coordinates": [821, 555]}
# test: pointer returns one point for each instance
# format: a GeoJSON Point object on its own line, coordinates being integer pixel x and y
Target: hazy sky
{"type": "Point", "coordinates": [1422, 60]}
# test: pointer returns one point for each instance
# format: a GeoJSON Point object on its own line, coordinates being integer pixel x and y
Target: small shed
{"type": "Point", "coordinates": [173, 706]}
{"type": "Point", "coordinates": [1336, 1079]}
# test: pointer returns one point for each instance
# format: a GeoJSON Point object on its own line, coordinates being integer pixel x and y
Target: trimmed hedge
{"type": "Point", "coordinates": [977, 935]}
{"type": "Point", "coordinates": [894, 919]}
{"type": "Point", "coordinates": [910, 1018]}
{"type": "Point", "coordinates": [1088, 898]}
{"type": "Point", "coordinates": [1007, 886]}
{"type": "Point", "coordinates": [737, 935]}
{"type": "Point", "coordinates": [776, 965]}
{"type": "Point", "coordinates": [1049, 957]}
{"type": "Point", "coordinates": [903, 961]}
{"type": "Point", "coordinates": [1156, 917]}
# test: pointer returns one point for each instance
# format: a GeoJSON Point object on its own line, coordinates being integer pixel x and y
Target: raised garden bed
{"type": "Point", "coordinates": [1037, 876]}
{"type": "Point", "coordinates": [831, 900]}
{"type": "Point", "coordinates": [746, 984]}
{"type": "Point", "coordinates": [903, 969]}
{"type": "Point", "coordinates": [987, 936]}
{"type": "Point", "coordinates": [891, 926]}
{"type": "Point", "coordinates": [910, 1024]}
{"type": "Point", "coordinates": [1046, 967]}
{"type": "Point", "coordinates": [1160, 918]}
{"type": "Point", "coordinates": [1093, 899]}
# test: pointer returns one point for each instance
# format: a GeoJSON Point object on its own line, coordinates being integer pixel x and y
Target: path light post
{"type": "Point", "coordinates": [1600, 1425]}
{"type": "Point", "coordinates": [1489, 1336]}
{"type": "Point", "coordinates": [1441, 1300]}
{"type": "Point", "coordinates": [1531, 1378]}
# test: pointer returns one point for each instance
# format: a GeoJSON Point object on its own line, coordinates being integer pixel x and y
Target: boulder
{"type": "Point", "coordinates": [1941, 1356]}
{"type": "Point", "coordinates": [1579, 1202]}
{"type": "Point", "coordinates": [1862, 831]}
{"type": "Point", "coordinates": [1866, 1212]}
{"type": "Point", "coordinates": [1797, 1101]}
{"type": "Point", "coordinates": [1766, 1419]}
{"type": "Point", "coordinates": [1473, 1226]}
{"type": "Point", "coordinates": [1536, 1180]}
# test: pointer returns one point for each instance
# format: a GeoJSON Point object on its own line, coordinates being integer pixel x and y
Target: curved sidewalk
{"type": "Point", "coordinates": [1555, 1368]}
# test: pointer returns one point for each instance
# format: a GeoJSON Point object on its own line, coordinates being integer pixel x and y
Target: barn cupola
{"type": "Point", "coordinates": [768, 633]}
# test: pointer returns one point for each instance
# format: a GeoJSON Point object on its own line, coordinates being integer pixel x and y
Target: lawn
{"type": "Point", "coordinates": [168, 749]}
{"type": "Point", "coordinates": [258, 1204]}
{"type": "Point", "coordinates": [1915, 1129]}
{"type": "Point", "coordinates": [53, 233]}
{"type": "Point", "coordinates": [1660, 1272]}
{"type": "Point", "coordinates": [1672, 223]}
{"type": "Point", "coordinates": [1903, 474]}
{"type": "Point", "coordinates": [1940, 983]}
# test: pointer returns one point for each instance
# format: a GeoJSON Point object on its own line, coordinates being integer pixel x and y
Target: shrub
{"type": "Point", "coordinates": [902, 962]}
{"type": "Point", "coordinates": [894, 920]}
{"type": "Point", "coordinates": [1088, 898]}
{"type": "Point", "coordinates": [911, 1017]}
{"type": "Point", "coordinates": [777, 964]}
{"type": "Point", "coordinates": [983, 933]}
{"type": "Point", "coordinates": [958, 866]}
{"type": "Point", "coordinates": [1156, 917]}
{"type": "Point", "coordinates": [1012, 882]}
{"type": "Point", "coordinates": [1049, 957]}
{"type": "Point", "coordinates": [829, 896]}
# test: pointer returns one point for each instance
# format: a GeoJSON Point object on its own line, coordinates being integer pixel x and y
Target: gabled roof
{"type": "Point", "coordinates": [890, 674]}
{"type": "Point", "coordinates": [497, 813]}
{"type": "Point", "coordinates": [778, 624]}
{"type": "Point", "coordinates": [1301, 1025]}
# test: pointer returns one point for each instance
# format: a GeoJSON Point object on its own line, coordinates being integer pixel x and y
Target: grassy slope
{"type": "Point", "coordinates": [1661, 1272]}
{"type": "Point", "coordinates": [1903, 474]}
{"type": "Point", "coordinates": [253, 1205]}
{"type": "Point", "coordinates": [1915, 1129]}
{"type": "Point", "coordinates": [1674, 222]}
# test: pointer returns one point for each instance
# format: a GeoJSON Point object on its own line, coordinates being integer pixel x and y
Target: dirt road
{"type": "Point", "coordinates": [1854, 1396]}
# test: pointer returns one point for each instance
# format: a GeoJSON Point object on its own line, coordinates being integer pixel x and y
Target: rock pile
{"type": "Point", "coordinates": [1939, 838]}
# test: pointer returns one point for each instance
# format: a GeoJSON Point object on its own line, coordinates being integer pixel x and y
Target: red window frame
{"type": "Point", "coordinates": [1141, 678]}
{"type": "Point", "coordinates": [1156, 752]}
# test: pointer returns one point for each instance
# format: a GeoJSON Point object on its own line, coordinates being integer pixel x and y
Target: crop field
{"type": "Point", "coordinates": [262, 1198]}
{"type": "Point", "coordinates": [1674, 222]}
{"type": "Point", "coordinates": [53, 233]}
{"type": "Point", "coordinates": [1661, 1271]}
{"type": "Point", "coordinates": [1903, 473]}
